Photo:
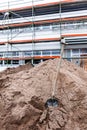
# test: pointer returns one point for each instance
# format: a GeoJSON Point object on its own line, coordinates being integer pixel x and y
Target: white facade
{"type": "Point", "coordinates": [30, 31]}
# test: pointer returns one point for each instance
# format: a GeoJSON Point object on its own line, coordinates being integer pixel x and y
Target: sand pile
{"type": "Point", "coordinates": [16, 69]}
{"type": "Point", "coordinates": [23, 95]}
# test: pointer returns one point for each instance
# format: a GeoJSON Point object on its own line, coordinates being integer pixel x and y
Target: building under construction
{"type": "Point", "coordinates": [30, 31]}
{"type": "Point", "coordinates": [53, 94]}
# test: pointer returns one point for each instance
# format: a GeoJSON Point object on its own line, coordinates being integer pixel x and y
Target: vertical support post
{"type": "Point", "coordinates": [33, 33]}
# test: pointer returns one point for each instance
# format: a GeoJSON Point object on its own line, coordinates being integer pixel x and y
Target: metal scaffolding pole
{"type": "Point", "coordinates": [33, 32]}
{"type": "Point", "coordinates": [6, 16]}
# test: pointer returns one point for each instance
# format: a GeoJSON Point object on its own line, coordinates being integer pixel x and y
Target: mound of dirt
{"type": "Point", "coordinates": [23, 96]}
{"type": "Point", "coordinates": [17, 69]}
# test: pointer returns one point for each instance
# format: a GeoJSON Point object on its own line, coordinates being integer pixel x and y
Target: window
{"type": "Point", "coordinates": [1, 62]}
{"type": "Point", "coordinates": [15, 53]}
{"type": "Point", "coordinates": [83, 51]}
{"type": "Point", "coordinates": [46, 27]}
{"type": "Point", "coordinates": [8, 54]}
{"type": "Point", "coordinates": [37, 61]}
{"type": "Point", "coordinates": [40, 27]}
{"type": "Point", "coordinates": [27, 53]}
{"type": "Point", "coordinates": [45, 52]}
{"type": "Point", "coordinates": [15, 61]}
{"type": "Point", "coordinates": [37, 52]}
{"type": "Point", "coordinates": [47, 10]}
{"type": "Point", "coordinates": [1, 54]}
{"type": "Point", "coordinates": [55, 26]}
{"type": "Point", "coordinates": [7, 61]}
{"type": "Point", "coordinates": [75, 52]}
{"type": "Point", "coordinates": [56, 52]}
{"type": "Point", "coordinates": [68, 53]}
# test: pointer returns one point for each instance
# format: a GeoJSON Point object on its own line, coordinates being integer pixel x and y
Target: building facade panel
{"type": "Point", "coordinates": [30, 31]}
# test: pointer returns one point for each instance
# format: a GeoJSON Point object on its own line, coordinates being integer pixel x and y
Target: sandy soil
{"type": "Point", "coordinates": [16, 69]}
{"type": "Point", "coordinates": [23, 95]}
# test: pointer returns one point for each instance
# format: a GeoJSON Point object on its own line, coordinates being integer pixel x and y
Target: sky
{"type": "Point", "coordinates": [3, 0]}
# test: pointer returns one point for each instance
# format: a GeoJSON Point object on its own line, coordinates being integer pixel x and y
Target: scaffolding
{"type": "Point", "coordinates": [21, 55]}
{"type": "Point", "coordinates": [6, 24]}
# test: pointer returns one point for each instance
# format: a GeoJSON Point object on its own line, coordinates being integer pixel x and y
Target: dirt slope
{"type": "Point", "coordinates": [16, 69]}
{"type": "Point", "coordinates": [23, 95]}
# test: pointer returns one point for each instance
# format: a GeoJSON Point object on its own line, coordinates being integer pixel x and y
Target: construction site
{"type": "Point", "coordinates": [43, 65]}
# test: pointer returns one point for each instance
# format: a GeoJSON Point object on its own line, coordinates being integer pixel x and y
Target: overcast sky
{"type": "Point", "coordinates": [1, 1]}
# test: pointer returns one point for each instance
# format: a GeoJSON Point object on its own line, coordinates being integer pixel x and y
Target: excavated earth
{"type": "Point", "coordinates": [23, 95]}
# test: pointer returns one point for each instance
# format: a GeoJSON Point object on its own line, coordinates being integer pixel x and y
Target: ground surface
{"type": "Point", "coordinates": [23, 94]}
